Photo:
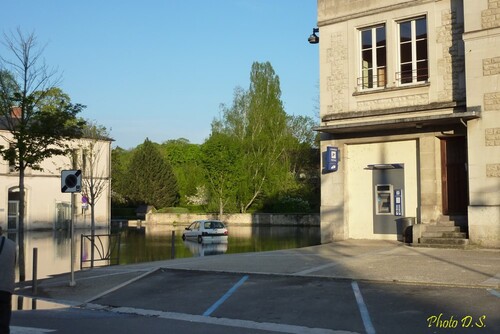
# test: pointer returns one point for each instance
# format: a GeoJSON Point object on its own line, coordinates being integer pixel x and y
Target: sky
{"type": "Point", "coordinates": [160, 69]}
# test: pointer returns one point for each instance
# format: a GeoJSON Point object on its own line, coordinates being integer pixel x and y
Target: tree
{"type": "Point", "coordinates": [120, 160]}
{"type": "Point", "coordinates": [222, 161]}
{"type": "Point", "coordinates": [184, 157]}
{"type": "Point", "coordinates": [267, 136]}
{"type": "Point", "coordinates": [40, 118]}
{"type": "Point", "coordinates": [150, 179]}
{"type": "Point", "coordinates": [95, 178]}
{"type": "Point", "coordinates": [258, 123]}
{"type": "Point", "coordinates": [303, 146]}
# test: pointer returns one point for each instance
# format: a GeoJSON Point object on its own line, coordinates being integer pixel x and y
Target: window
{"type": "Point", "coordinates": [413, 61]}
{"type": "Point", "coordinates": [12, 158]}
{"type": "Point", "coordinates": [373, 58]}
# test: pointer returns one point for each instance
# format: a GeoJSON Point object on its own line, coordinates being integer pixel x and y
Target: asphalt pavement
{"type": "Point", "coordinates": [271, 285]}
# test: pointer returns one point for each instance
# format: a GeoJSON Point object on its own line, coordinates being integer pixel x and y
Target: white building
{"type": "Point", "coordinates": [410, 106]}
{"type": "Point", "coordinates": [47, 207]}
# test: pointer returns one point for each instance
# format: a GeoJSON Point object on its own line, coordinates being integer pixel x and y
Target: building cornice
{"type": "Point", "coordinates": [322, 23]}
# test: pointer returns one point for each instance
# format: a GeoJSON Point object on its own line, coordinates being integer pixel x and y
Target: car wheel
{"type": "Point", "coordinates": [200, 239]}
{"type": "Point", "coordinates": [184, 237]}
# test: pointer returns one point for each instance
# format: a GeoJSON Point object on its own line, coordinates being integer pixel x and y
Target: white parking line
{"type": "Point", "coordinates": [314, 269]}
{"type": "Point", "coordinates": [494, 292]}
{"type": "Point", "coordinates": [237, 323]}
{"type": "Point", "coordinates": [365, 316]}
{"type": "Point", "coordinates": [228, 294]}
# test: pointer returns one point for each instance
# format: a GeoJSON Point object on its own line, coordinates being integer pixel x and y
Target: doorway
{"type": "Point", "coordinates": [13, 215]}
{"type": "Point", "coordinates": [454, 181]}
{"type": "Point", "coordinates": [13, 209]}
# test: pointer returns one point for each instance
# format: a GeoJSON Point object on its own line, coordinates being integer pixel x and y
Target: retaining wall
{"type": "Point", "coordinates": [237, 219]}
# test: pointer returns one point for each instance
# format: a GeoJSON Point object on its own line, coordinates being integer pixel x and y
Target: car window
{"type": "Point", "coordinates": [208, 225]}
{"type": "Point", "coordinates": [216, 225]}
{"type": "Point", "coordinates": [197, 226]}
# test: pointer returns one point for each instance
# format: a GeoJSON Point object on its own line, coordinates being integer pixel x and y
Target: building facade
{"type": "Point", "coordinates": [46, 206]}
{"type": "Point", "coordinates": [410, 118]}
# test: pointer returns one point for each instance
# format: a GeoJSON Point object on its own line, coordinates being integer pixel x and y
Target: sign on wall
{"type": "Point", "coordinates": [332, 159]}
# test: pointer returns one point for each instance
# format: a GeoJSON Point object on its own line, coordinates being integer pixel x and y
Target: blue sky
{"type": "Point", "coordinates": [161, 69]}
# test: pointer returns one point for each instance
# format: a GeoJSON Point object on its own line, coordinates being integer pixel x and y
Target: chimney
{"type": "Point", "coordinates": [15, 112]}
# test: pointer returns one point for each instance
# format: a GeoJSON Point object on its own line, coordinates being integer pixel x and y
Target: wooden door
{"type": "Point", "coordinates": [454, 175]}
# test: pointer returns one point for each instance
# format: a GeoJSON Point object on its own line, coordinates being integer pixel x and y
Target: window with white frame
{"type": "Point", "coordinates": [373, 58]}
{"type": "Point", "coordinates": [413, 58]}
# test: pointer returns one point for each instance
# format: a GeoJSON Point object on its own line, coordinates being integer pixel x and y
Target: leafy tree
{"type": "Point", "coordinates": [39, 117]}
{"type": "Point", "coordinates": [150, 179]}
{"type": "Point", "coordinates": [120, 160]}
{"type": "Point", "coordinates": [222, 161]}
{"type": "Point", "coordinates": [303, 149]}
{"type": "Point", "coordinates": [258, 123]}
{"type": "Point", "coordinates": [184, 157]}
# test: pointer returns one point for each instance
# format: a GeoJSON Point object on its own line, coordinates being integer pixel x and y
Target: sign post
{"type": "Point", "coordinates": [71, 182]}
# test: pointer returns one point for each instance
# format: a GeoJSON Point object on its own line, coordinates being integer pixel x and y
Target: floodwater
{"type": "Point", "coordinates": [150, 243]}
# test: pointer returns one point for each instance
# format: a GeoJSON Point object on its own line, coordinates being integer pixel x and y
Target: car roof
{"type": "Point", "coordinates": [207, 220]}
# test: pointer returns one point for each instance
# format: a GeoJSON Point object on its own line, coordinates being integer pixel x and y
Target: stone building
{"type": "Point", "coordinates": [410, 120]}
{"type": "Point", "coordinates": [46, 206]}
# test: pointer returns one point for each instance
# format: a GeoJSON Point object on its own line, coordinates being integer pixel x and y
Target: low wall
{"type": "Point", "coordinates": [237, 219]}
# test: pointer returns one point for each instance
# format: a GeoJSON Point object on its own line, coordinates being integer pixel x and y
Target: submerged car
{"type": "Point", "coordinates": [206, 231]}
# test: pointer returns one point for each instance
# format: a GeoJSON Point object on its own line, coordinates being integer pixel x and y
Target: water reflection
{"type": "Point", "coordinates": [205, 249]}
{"type": "Point", "coordinates": [154, 243]}
{"type": "Point", "coordinates": [20, 303]}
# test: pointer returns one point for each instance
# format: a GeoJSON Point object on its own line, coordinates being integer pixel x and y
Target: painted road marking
{"type": "Point", "coordinates": [29, 330]}
{"type": "Point", "coordinates": [494, 292]}
{"type": "Point", "coordinates": [228, 294]}
{"type": "Point", "coordinates": [237, 323]}
{"type": "Point", "coordinates": [363, 309]}
{"type": "Point", "coordinates": [318, 268]}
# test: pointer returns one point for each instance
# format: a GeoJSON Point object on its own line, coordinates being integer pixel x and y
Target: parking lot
{"type": "Point", "coordinates": [341, 288]}
{"type": "Point", "coordinates": [235, 303]}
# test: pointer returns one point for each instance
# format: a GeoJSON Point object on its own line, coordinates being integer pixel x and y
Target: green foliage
{"type": "Point", "coordinates": [45, 122]}
{"type": "Point", "coordinates": [173, 210]}
{"type": "Point", "coordinates": [222, 159]}
{"type": "Point", "coordinates": [257, 124]}
{"type": "Point", "coordinates": [184, 158]}
{"type": "Point", "coordinates": [150, 179]}
{"type": "Point", "coordinates": [257, 157]}
{"type": "Point", "coordinates": [287, 204]}
{"type": "Point", "coordinates": [120, 160]}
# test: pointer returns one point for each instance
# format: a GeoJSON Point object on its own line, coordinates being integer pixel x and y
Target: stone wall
{"type": "Point", "coordinates": [491, 66]}
{"type": "Point", "coordinates": [337, 79]}
{"type": "Point", "coordinates": [237, 219]}
{"type": "Point", "coordinates": [490, 17]}
{"type": "Point", "coordinates": [451, 65]}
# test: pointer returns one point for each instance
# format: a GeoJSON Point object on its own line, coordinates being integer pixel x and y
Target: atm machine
{"type": "Point", "coordinates": [388, 197]}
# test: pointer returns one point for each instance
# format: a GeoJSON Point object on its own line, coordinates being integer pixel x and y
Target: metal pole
{"type": "Point", "coordinates": [72, 235]}
{"type": "Point", "coordinates": [173, 245]}
{"type": "Point", "coordinates": [34, 285]}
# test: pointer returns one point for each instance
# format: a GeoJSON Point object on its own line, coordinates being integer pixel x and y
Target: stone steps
{"type": "Point", "coordinates": [447, 246]}
{"type": "Point", "coordinates": [443, 235]}
{"type": "Point", "coordinates": [460, 235]}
